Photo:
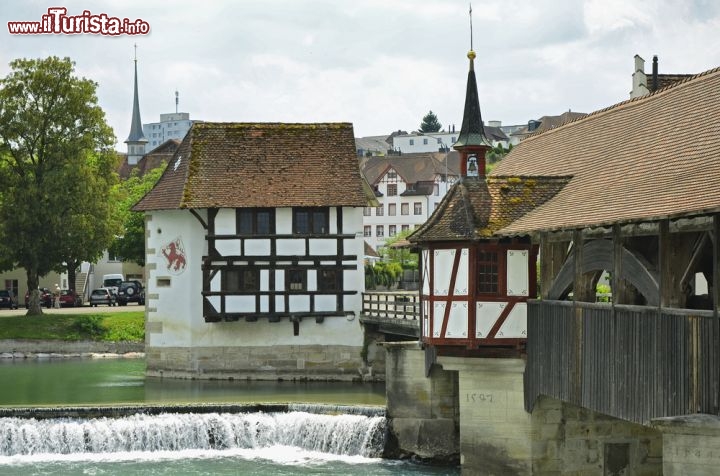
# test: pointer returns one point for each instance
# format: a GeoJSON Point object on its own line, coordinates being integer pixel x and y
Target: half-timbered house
{"type": "Point", "coordinates": [254, 254]}
{"type": "Point", "coordinates": [474, 285]}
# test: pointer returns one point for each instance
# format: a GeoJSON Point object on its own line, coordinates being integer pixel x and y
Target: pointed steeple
{"type": "Point", "coordinates": [472, 132]}
{"type": "Point", "coordinates": [136, 140]}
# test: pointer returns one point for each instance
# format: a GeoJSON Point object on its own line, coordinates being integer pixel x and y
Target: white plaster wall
{"type": "Point", "coordinates": [175, 315]}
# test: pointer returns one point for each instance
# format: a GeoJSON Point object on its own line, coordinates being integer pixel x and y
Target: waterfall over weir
{"type": "Point", "coordinates": [340, 433]}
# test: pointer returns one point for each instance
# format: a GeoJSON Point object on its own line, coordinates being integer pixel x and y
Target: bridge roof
{"type": "Point", "coordinates": [649, 158]}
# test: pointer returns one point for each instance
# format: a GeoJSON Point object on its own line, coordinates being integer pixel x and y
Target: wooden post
{"type": "Point", "coordinates": [584, 284]}
{"type": "Point", "coordinates": [716, 265]}
{"type": "Point", "coordinates": [552, 257]}
{"type": "Point", "coordinates": [664, 289]}
{"type": "Point", "coordinates": [617, 282]}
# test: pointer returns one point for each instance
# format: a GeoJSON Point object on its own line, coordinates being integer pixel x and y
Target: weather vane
{"type": "Point", "coordinates": [471, 38]}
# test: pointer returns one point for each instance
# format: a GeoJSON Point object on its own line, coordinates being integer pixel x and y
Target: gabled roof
{"type": "Point", "coordinates": [243, 165]}
{"type": "Point", "coordinates": [412, 168]}
{"type": "Point", "coordinates": [475, 209]}
{"type": "Point", "coordinates": [648, 158]}
{"type": "Point", "coordinates": [159, 155]}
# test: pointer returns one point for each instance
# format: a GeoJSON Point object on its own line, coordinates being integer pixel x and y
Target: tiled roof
{"type": "Point", "coordinates": [412, 168]}
{"type": "Point", "coordinates": [158, 156]}
{"type": "Point", "coordinates": [475, 208]}
{"type": "Point", "coordinates": [242, 165]}
{"type": "Point", "coordinates": [665, 80]}
{"type": "Point", "coordinates": [652, 157]}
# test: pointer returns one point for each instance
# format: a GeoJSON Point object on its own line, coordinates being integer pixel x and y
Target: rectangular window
{"type": "Point", "coordinates": [366, 211]}
{"type": "Point", "coordinates": [380, 211]}
{"type": "Point", "coordinates": [392, 230]}
{"type": "Point", "coordinates": [405, 227]}
{"type": "Point", "coordinates": [308, 221]}
{"type": "Point", "coordinates": [240, 280]}
{"type": "Point", "coordinates": [412, 141]}
{"type": "Point", "coordinates": [379, 231]}
{"type": "Point", "coordinates": [392, 209]}
{"type": "Point", "coordinates": [329, 280]}
{"type": "Point", "coordinates": [436, 189]}
{"type": "Point", "coordinates": [417, 208]}
{"type": "Point", "coordinates": [487, 272]}
{"type": "Point", "coordinates": [439, 141]}
{"type": "Point", "coordinates": [367, 231]}
{"type": "Point", "coordinates": [405, 209]}
{"type": "Point", "coordinates": [424, 141]}
{"type": "Point", "coordinates": [296, 280]}
{"type": "Point", "coordinates": [255, 221]}
{"type": "Point", "coordinates": [392, 176]}
{"type": "Point", "coordinates": [392, 189]}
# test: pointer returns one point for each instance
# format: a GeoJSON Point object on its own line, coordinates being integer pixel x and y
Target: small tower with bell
{"type": "Point", "coordinates": [472, 143]}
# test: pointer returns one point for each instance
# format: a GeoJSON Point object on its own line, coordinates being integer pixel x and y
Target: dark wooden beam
{"type": "Point", "coordinates": [552, 257]}
{"type": "Point", "coordinates": [584, 283]}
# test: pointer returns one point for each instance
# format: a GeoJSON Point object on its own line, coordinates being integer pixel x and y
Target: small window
{"type": "Point", "coordinates": [392, 209]}
{"type": "Point", "coordinates": [405, 227]}
{"type": "Point", "coordinates": [439, 141]}
{"type": "Point", "coordinates": [391, 176]}
{"type": "Point", "coordinates": [412, 141]}
{"type": "Point", "coordinates": [487, 272]}
{"type": "Point", "coordinates": [379, 231]}
{"type": "Point", "coordinates": [328, 280]}
{"type": "Point", "coordinates": [425, 141]}
{"type": "Point", "coordinates": [380, 211]}
{"type": "Point", "coordinates": [436, 189]}
{"type": "Point", "coordinates": [367, 231]}
{"type": "Point", "coordinates": [392, 189]}
{"type": "Point", "coordinates": [417, 208]}
{"type": "Point", "coordinates": [240, 280]}
{"type": "Point", "coordinates": [366, 211]}
{"type": "Point", "coordinates": [308, 221]}
{"type": "Point", "coordinates": [392, 230]}
{"type": "Point", "coordinates": [405, 209]}
{"type": "Point", "coordinates": [296, 280]}
{"type": "Point", "coordinates": [255, 221]}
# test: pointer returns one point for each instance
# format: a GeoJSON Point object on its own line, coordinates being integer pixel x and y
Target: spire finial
{"type": "Point", "coordinates": [471, 36]}
{"type": "Point", "coordinates": [135, 45]}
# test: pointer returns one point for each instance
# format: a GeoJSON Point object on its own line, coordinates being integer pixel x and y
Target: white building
{"type": "Point", "coordinates": [417, 142]}
{"type": "Point", "coordinates": [173, 125]}
{"type": "Point", "coordinates": [408, 187]}
{"type": "Point", "coordinates": [255, 254]}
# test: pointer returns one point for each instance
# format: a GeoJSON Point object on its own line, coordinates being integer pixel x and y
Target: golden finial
{"type": "Point", "coordinates": [471, 55]}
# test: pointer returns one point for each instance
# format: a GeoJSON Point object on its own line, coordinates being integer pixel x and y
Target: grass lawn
{"type": "Point", "coordinates": [118, 326]}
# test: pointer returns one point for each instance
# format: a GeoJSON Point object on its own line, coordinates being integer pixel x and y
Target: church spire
{"type": "Point", "coordinates": [472, 142]}
{"type": "Point", "coordinates": [136, 140]}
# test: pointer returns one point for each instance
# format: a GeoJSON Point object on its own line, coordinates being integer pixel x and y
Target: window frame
{"type": "Point", "coordinates": [392, 190]}
{"type": "Point", "coordinates": [254, 215]}
{"type": "Point", "coordinates": [323, 281]}
{"type": "Point", "coordinates": [291, 273]}
{"type": "Point", "coordinates": [245, 285]}
{"type": "Point", "coordinates": [311, 215]}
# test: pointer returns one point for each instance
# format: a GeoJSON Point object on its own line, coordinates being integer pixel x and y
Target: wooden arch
{"type": "Point", "coordinates": [598, 256]}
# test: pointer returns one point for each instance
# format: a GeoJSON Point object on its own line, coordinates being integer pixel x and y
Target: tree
{"type": "Point", "coordinates": [57, 170]}
{"type": "Point", "coordinates": [430, 123]}
{"type": "Point", "coordinates": [130, 244]}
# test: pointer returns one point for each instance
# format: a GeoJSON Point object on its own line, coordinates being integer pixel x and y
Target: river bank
{"type": "Point", "coordinates": [21, 349]}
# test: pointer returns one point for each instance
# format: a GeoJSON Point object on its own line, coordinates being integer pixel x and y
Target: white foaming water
{"type": "Point", "coordinates": [285, 438]}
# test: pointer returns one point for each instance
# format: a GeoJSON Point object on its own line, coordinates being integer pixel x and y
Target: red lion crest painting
{"type": "Point", "coordinates": [175, 258]}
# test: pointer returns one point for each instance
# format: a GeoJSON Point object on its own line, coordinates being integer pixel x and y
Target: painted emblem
{"type": "Point", "coordinates": [175, 257]}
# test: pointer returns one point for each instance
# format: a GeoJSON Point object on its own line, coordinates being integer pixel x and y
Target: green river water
{"type": "Point", "coordinates": [122, 381]}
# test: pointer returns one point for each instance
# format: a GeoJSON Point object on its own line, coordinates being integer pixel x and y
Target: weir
{"type": "Point", "coordinates": [331, 429]}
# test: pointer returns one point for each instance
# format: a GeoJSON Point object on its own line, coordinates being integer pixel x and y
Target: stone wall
{"type": "Point", "coordinates": [302, 362]}
{"type": "Point", "coordinates": [691, 445]}
{"type": "Point", "coordinates": [572, 440]}
{"type": "Point", "coordinates": [422, 411]}
{"type": "Point", "coordinates": [29, 348]}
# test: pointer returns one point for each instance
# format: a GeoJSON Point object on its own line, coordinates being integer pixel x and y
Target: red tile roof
{"type": "Point", "coordinates": [242, 165]}
{"type": "Point", "coordinates": [158, 156]}
{"type": "Point", "coordinates": [649, 158]}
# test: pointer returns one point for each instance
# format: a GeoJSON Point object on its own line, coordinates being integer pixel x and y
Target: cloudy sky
{"type": "Point", "coordinates": [379, 64]}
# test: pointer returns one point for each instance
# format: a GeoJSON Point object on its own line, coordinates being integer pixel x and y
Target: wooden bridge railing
{"type": "Point", "coordinates": [393, 313]}
{"type": "Point", "coordinates": [630, 362]}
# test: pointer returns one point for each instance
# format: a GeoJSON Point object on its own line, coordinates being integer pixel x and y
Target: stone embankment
{"type": "Point", "coordinates": [54, 349]}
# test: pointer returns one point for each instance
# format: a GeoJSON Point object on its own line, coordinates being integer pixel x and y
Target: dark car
{"type": "Point", "coordinates": [8, 299]}
{"type": "Point", "coordinates": [102, 296]}
{"type": "Point", "coordinates": [130, 291]}
{"type": "Point", "coordinates": [46, 297]}
{"type": "Point", "coordinates": [69, 298]}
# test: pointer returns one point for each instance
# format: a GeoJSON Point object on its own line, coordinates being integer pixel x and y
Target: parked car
{"type": "Point", "coordinates": [70, 298]}
{"type": "Point", "coordinates": [130, 291]}
{"type": "Point", "coordinates": [8, 299]}
{"type": "Point", "coordinates": [102, 296]}
{"type": "Point", "coordinates": [46, 297]}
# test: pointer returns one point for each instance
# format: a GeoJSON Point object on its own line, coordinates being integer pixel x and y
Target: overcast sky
{"type": "Point", "coordinates": [379, 64]}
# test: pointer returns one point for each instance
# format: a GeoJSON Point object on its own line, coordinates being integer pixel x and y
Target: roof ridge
{"type": "Point", "coordinates": [626, 102]}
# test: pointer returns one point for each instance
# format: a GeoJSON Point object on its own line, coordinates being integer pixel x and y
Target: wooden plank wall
{"type": "Point", "coordinates": [631, 362]}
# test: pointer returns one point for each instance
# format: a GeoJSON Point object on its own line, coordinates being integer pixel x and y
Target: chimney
{"type": "Point", "coordinates": [655, 73]}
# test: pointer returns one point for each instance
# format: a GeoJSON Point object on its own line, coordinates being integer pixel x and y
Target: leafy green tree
{"type": "Point", "coordinates": [57, 170]}
{"type": "Point", "coordinates": [399, 254]}
{"type": "Point", "coordinates": [130, 244]}
{"type": "Point", "coordinates": [430, 123]}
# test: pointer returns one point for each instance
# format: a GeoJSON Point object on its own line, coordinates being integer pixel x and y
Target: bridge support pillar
{"type": "Point", "coordinates": [495, 429]}
{"type": "Point", "coordinates": [691, 444]}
